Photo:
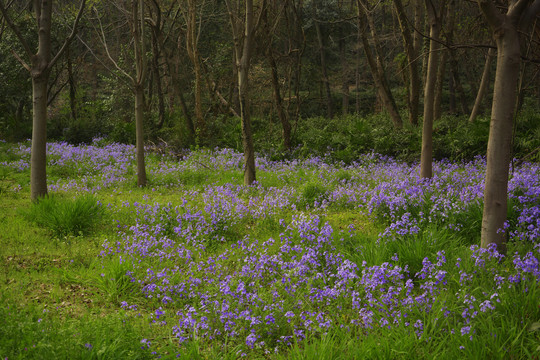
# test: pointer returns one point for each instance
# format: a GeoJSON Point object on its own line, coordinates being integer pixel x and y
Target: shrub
{"type": "Point", "coordinates": [65, 217]}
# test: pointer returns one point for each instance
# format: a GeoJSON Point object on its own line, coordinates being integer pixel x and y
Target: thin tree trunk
{"type": "Point", "coordinates": [38, 157]}
{"type": "Point", "coordinates": [457, 82]}
{"type": "Point", "coordinates": [413, 87]}
{"type": "Point", "coordinates": [283, 118]}
{"type": "Point", "coordinates": [326, 81]}
{"type": "Point", "coordinates": [139, 130]}
{"type": "Point", "coordinates": [159, 86]}
{"type": "Point", "coordinates": [243, 49]}
{"type": "Point", "coordinates": [426, 157]}
{"type": "Point", "coordinates": [439, 84]}
{"type": "Point", "coordinates": [484, 84]}
{"type": "Point", "coordinates": [141, 68]}
{"type": "Point", "coordinates": [344, 78]}
{"type": "Point", "coordinates": [378, 74]}
{"type": "Point", "coordinates": [72, 88]}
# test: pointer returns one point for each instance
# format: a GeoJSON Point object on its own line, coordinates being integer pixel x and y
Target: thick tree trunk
{"type": "Point", "coordinates": [38, 158]}
{"type": "Point", "coordinates": [484, 84]}
{"type": "Point", "coordinates": [426, 157]}
{"type": "Point", "coordinates": [500, 137]}
{"type": "Point", "coordinates": [139, 130]}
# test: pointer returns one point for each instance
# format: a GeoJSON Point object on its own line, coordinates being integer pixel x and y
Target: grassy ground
{"type": "Point", "coordinates": [307, 266]}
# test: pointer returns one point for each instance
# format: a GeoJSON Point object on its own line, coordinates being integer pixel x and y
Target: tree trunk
{"type": "Point", "coordinates": [426, 157]}
{"type": "Point", "coordinates": [38, 158]}
{"type": "Point", "coordinates": [344, 78]}
{"type": "Point", "coordinates": [413, 87]}
{"type": "Point", "coordinates": [72, 88]}
{"type": "Point", "coordinates": [141, 68]}
{"type": "Point", "coordinates": [243, 49]}
{"type": "Point", "coordinates": [484, 84]}
{"type": "Point", "coordinates": [377, 71]}
{"type": "Point", "coordinates": [439, 83]}
{"type": "Point", "coordinates": [157, 76]}
{"type": "Point", "coordinates": [500, 137]}
{"type": "Point", "coordinates": [139, 136]}
{"type": "Point", "coordinates": [457, 82]}
{"type": "Point", "coordinates": [326, 81]}
{"type": "Point", "coordinates": [283, 118]}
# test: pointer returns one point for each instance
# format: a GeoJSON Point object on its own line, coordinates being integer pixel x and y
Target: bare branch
{"type": "Point", "coordinates": [23, 63]}
{"type": "Point", "coordinates": [70, 37]}
{"type": "Point", "coordinates": [104, 43]}
{"type": "Point", "coordinates": [121, 78]}
{"type": "Point", "coordinates": [17, 32]}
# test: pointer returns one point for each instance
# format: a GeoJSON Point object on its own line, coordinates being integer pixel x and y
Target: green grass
{"type": "Point", "coordinates": [66, 217]}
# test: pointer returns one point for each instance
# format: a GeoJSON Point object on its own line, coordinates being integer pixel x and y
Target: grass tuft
{"type": "Point", "coordinates": [66, 217]}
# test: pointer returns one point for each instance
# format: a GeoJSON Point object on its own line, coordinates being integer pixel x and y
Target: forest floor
{"type": "Point", "coordinates": [318, 259]}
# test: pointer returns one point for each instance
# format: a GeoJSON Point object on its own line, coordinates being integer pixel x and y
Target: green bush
{"type": "Point", "coordinates": [65, 217]}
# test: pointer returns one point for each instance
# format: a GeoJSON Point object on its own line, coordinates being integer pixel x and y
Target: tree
{"type": "Point", "coordinates": [434, 11]}
{"type": "Point", "coordinates": [136, 21]}
{"type": "Point", "coordinates": [484, 84]}
{"type": "Point", "coordinates": [269, 29]}
{"type": "Point", "coordinates": [243, 31]}
{"type": "Point", "coordinates": [39, 66]}
{"type": "Point", "coordinates": [505, 28]}
{"type": "Point", "coordinates": [376, 65]}
{"type": "Point", "coordinates": [413, 88]}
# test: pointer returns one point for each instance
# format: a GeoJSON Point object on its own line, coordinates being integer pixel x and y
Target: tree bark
{"type": "Point", "coordinates": [38, 157]}
{"type": "Point", "coordinates": [39, 68]}
{"type": "Point", "coordinates": [426, 157]}
{"type": "Point", "coordinates": [141, 68]}
{"type": "Point", "coordinates": [505, 32]}
{"type": "Point", "coordinates": [484, 84]}
{"type": "Point", "coordinates": [139, 135]}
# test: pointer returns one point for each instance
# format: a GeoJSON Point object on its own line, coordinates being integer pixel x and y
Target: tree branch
{"type": "Point", "coordinates": [104, 42]}
{"type": "Point", "coordinates": [23, 63]}
{"type": "Point", "coordinates": [17, 32]}
{"type": "Point", "coordinates": [492, 15]}
{"type": "Point", "coordinates": [530, 14]}
{"type": "Point", "coordinates": [121, 78]}
{"type": "Point", "coordinates": [70, 37]}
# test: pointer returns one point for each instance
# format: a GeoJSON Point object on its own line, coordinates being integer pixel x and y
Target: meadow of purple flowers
{"type": "Point", "coordinates": [260, 269]}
